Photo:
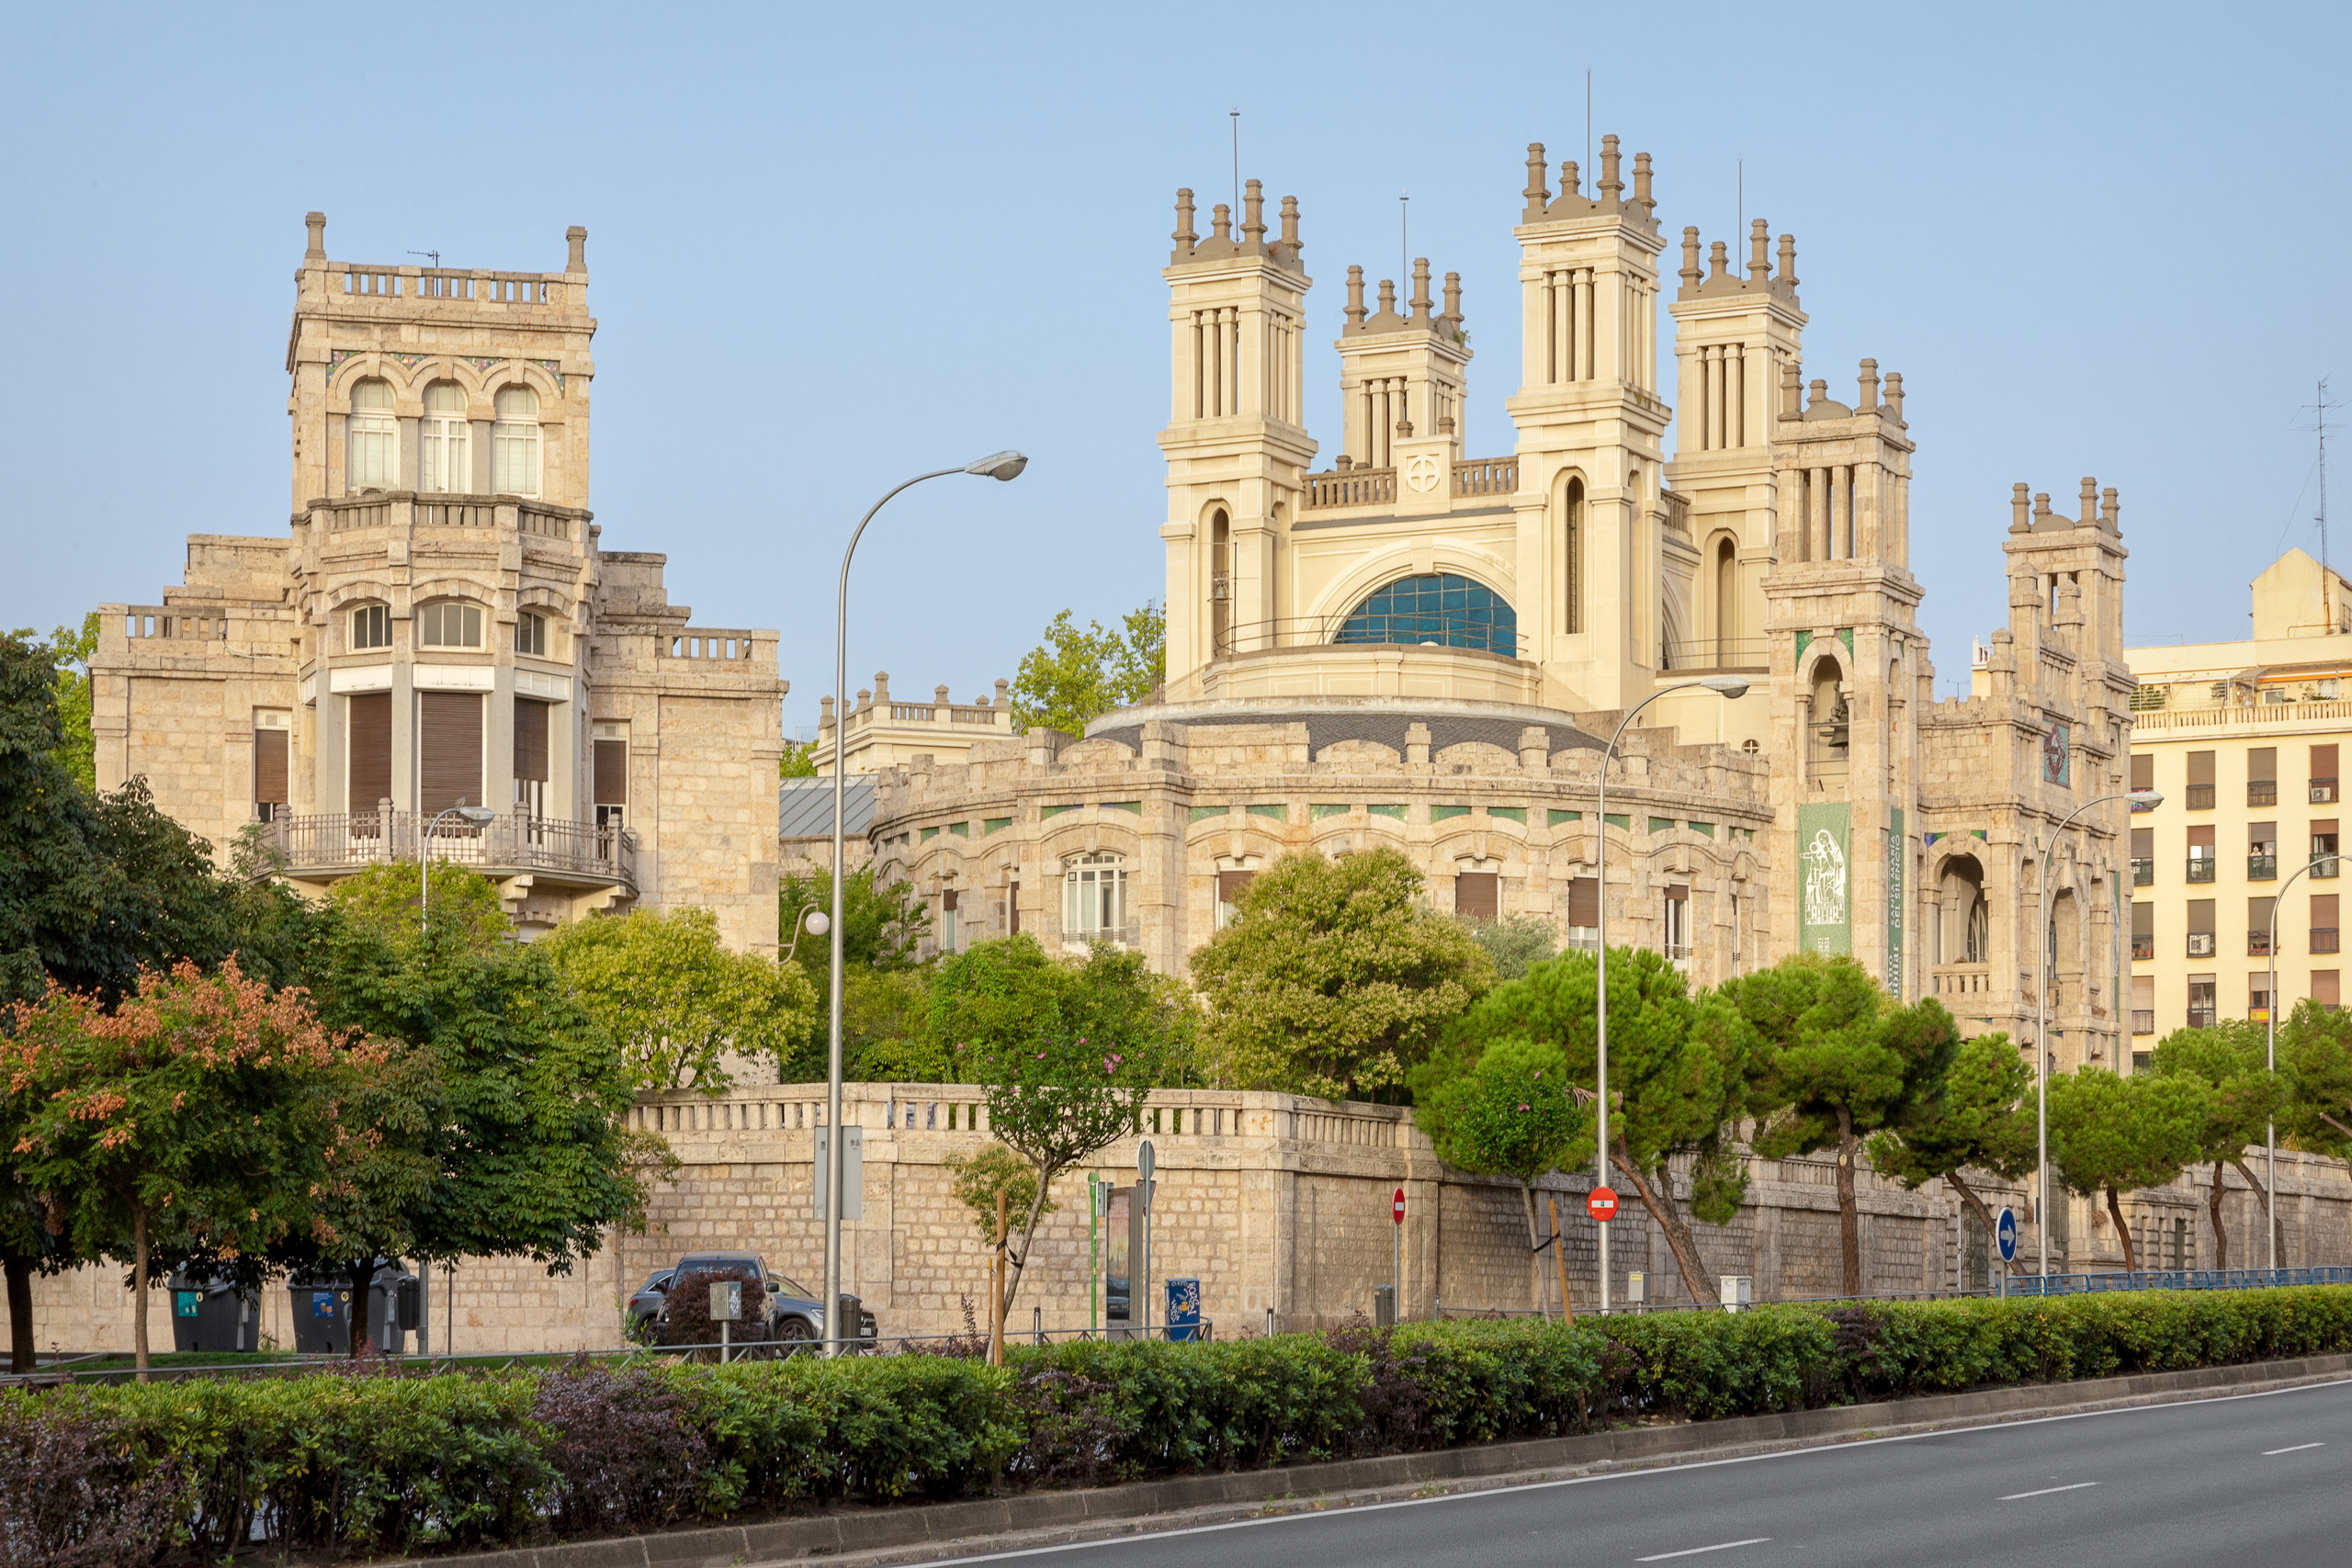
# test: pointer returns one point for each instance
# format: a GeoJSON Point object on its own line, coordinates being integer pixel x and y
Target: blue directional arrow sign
{"type": "Point", "coordinates": [2005, 1229]}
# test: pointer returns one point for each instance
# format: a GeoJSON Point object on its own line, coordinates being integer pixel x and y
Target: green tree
{"type": "Point", "coordinates": [1077, 674]}
{"type": "Point", "coordinates": [77, 748]}
{"type": "Point", "coordinates": [384, 899]}
{"type": "Point", "coordinates": [1332, 980]}
{"type": "Point", "coordinates": [1838, 1061]}
{"type": "Point", "coordinates": [2112, 1134]}
{"type": "Point", "coordinates": [1516, 943]}
{"type": "Point", "coordinates": [1509, 1112]}
{"type": "Point", "coordinates": [1678, 1080]}
{"type": "Point", "coordinates": [1977, 1118]}
{"type": "Point", "coordinates": [2241, 1098]}
{"type": "Point", "coordinates": [527, 1137]}
{"type": "Point", "coordinates": [886, 1031]}
{"type": "Point", "coordinates": [977, 1180]}
{"type": "Point", "coordinates": [2315, 1063]}
{"type": "Point", "coordinates": [883, 927]}
{"type": "Point", "coordinates": [1065, 1051]}
{"type": "Point", "coordinates": [677, 1000]}
{"type": "Point", "coordinates": [798, 761]}
{"type": "Point", "coordinates": [200, 1112]}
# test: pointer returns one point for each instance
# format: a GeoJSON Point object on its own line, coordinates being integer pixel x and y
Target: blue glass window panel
{"type": "Point", "coordinates": [1451, 611]}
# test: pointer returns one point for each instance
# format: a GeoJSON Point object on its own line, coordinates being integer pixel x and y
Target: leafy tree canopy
{"type": "Point", "coordinates": [1517, 944]}
{"type": "Point", "coordinates": [2110, 1134]}
{"type": "Point", "coordinates": [1077, 674]}
{"type": "Point", "coordinates": [677, 1000]}
{"type": "Point", "coordinates": [1977, 1118]}
{"type": "Point", "coordinates": [798, 761]}
{"type": "Point", "coordinates": [384, 899]}
{"type": "Point", "coordinates": [1333, 980]}
{"type": "Point", "coordinates": [1511, 1111]}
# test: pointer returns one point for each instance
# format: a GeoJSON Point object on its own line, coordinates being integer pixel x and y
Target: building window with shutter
{"type": "Point", "coordinates": [273, 738]}
{"type": "Point", "coordinates": [442, 435]}
{"type": "Point", "coordinates": [515, 441]}
{"type": "Point", "coordinates": [371, 626]}
{"type": "Point", "coordinates": [1677, 923]}
{"type": "Point", "coordinates": [532, 785]}
{"type": "Point", "coordinates": [1584, 913]}
{"type": "Point", "coordinates": [449, 622]}
{"type": "Point", "coordinates": [1230, 885]}
{"type": "Point", "coordinates": [612, 777]}
{"type": "Point", "coordinates": [531, 635]}
{"type": "Point", "coordinates": [947, 920]}
{"type": "Point", "coordinates": [372, 440]}
{"type": "Point", "coordinates": [2326, 935]}
{"type": "Point", "coordinates": [2323, 775]}
{"type": "Point", "coordinates": [2325, 988]}
{"type": "Point", "coordinates": [2201, 781]}
{"type": "Point", "coordinates": [448, 733]}
{"type": "Point", "coordinates": [2200, 928]}
{"type": "Point", "coordinates": [2202, 990]}
{"type": "Point", "coordinates": [2323, 860]}
{"type": "Point", "coordinates": [1478, 895]}
{"type": "Point", "coordinates": [368, 759]}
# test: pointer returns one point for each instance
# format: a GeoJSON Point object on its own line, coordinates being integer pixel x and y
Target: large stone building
{"type": "Point", "coordinates": [1420, 647]}
{"type": "Point", "coordinates": [2243, 740]}
{"type": "Point", "coordinates": [441, 627]}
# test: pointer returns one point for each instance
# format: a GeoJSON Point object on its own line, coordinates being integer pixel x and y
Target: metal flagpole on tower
{"type": "Point", "coordinates": [1236, 164]}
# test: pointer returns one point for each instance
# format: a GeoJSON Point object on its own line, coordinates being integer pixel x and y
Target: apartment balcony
{"type": "Point", "coordinates": [2200, 798]}
{"type": "Point", "coordinates": [2143, 1021]}
{"type": "Point", "coordinates": [1954, 981]}
{"type": "Point", "coordinates": [2202, 946]}
{"type": "Point", "coordinates": [511, 844]}
{"type": "Point", "coordinates": [2262, 868]}
{"type": "Point", "coordinates": [2201, 868]}
{"type": "Point", "coordinates": [2257, 943]}
{"type": "Point", "coordinates": [2324, 864]}
{"type": "Point", "coordinates": [2262, 792]}
{"type": "Point", "coordinates": [2325, 939]}
{"type": "Point", "coordinates": [2323, 792]}
{"type": "Point", "coordinates": [2144, 870]}
{"type": "Point", "coordinates": [2144, 946]}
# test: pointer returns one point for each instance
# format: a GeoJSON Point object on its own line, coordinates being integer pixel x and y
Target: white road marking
{"type": "Point", "coordinates": [2299, 1448]}
{"type": "Point", "coordinates": [1694, 1551]}
{"type": "Point", "coordinates": [2045, 1492]}
{"type": "Point", "coordinates": [1652, 1473]}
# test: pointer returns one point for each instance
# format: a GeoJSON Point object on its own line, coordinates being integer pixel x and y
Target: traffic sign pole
{"type": "Point", "coordinates": [1397, 1212]}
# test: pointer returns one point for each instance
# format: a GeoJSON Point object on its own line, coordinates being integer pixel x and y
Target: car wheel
{"type": "Point", "coordinates": [793, 1335]}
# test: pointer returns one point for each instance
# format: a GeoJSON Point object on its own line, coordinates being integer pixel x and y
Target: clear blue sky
{"type": "Point", "coordinates": [831, 247]}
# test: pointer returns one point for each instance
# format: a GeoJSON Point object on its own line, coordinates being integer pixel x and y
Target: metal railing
{"type": "Point", "coordinates": [2323, 792]}
{"type": "Point", "coordinates": [2143, 1021]}
{"type": "Point", "coordinates": [2262, 792]}
{"type": "Point", "coordinates": [2200, 797]}
{"type": "Point", "coordinates": [1442, 629]}
{"type": "Point", "coordinates": [2257, 943]}
{"type": "Point", "coordinates": [510, 841]}
{"type": "Point", "coordinates": [2201, 868]}
{"type": "Point", "coordinates": [2143, 945]}
{"type": "Point", "coordinates": [2262, 868]}
{"type": "Point", "coordinates": [2175, 1280]}
{"type": "Point", "coordinates": [1714, 653]}
{"type": "Point", "coordinates": [2325, 939]}
{"type": "Point", "coordinates": [2143, 870]}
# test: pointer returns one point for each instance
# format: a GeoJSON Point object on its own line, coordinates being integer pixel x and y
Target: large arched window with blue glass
{"type": "Point", "coordinates": [1450, 611]}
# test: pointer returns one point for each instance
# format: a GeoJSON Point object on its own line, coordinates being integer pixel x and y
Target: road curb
{"type": "Point", "coordinates": [869, 1537]}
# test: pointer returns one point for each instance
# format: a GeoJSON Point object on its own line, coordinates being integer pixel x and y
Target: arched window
{"type": "Point", "coordinates": [1964, 933]}
{"type": "Point", "coordinates": [515, 441]}
{"type": "Point", "coordinates": [1572, 548]}
{"type": "Point", "coordinates": [1827, 716]}
{"type": "Point", "coordinates": [1094, 897]}
{"type": "Point", "coordinates": [1726, 601]}
{"type": "Point", "coordinates": [441, 435]}
{"type": "Point", "coordinates": [1220, 582]}
{"type": "Point", "coordinates": [372, 456]}
{"type": "Point", "coordinates": [448, 623]}
{"type": "Point", "coordinates": [371, 626]}
{"type": "Point", "coordinates": [1450, 611]}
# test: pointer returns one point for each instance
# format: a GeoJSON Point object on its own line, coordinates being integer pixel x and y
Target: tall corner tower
{"type": "Point", "coordinates": [1848, 671]}
{"type": "Point", "coordinates": [1236, 441]}
{"type": "Point", "coordinates": [1592, 500]}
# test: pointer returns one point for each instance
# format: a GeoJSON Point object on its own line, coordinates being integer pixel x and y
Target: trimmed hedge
{"type": "Point", "coordinates": [374, 1460]}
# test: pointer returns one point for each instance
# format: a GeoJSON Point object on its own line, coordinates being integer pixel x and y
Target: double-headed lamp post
{"type": "Point", "coordinates": [1728, 686]}
{"type": "Point", "coordinates": [2270, 1063]}
{"type": "Point", "coordinates": [995, 465]}
{"type": "Point", "coordinates": [2142, 800]}
{"type": "Point", "coordinates": [478, 816]}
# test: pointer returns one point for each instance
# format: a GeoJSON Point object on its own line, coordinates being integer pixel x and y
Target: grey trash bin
{"type": "Point", "coordinates": [211, 1315]}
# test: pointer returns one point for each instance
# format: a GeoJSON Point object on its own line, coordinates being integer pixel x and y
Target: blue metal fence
{"type": "Point", "coordinates": [2175, 1280]}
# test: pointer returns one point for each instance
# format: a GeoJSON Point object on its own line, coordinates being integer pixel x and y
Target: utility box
{"type": "Point", "coordinates": [1183, 1310]}
{"type": "Point", "coordinates": [726, 1301]}
{"type": "Point", "coordinates": [1739, 1291]}
{"type": "Point", "coordinates": [211, 1315]}
{"type": "Point", "coordinates": [1383, 1306]}
{"type": "Point", "coordinates": [1638, 1289]}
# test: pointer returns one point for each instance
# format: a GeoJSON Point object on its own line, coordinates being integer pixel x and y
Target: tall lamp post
{"type": "Point", "coordinates": [995, 465]}
{"type": "Point", "coordinates": [478, 816]}
{"type": "Point", "coordinates": [1728, 686]}
{"type": "Point", "coordinates": [2142, 800]}
{"type": "Point", "coordinates": [2271, 1062]}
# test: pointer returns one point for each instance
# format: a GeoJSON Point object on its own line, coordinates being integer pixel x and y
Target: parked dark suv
{"type": "Point", "coordinates": [794, 1315]}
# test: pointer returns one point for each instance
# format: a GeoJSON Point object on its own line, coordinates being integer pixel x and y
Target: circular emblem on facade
{"type": "Point", "coordinates": [1422, 473]}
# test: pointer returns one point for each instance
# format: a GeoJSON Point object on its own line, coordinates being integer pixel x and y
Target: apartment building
{"type": "Point", "coordinates": [2244, 740]}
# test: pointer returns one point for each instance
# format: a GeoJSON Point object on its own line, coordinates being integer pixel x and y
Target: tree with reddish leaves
{"type": "Point", "coordinates": [201, 1115]}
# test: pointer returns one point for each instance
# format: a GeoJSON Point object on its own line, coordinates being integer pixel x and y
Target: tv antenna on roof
{"type": "Point", "coordinates": [2319, 409]}
{"type": "Point", "coordinates": [1237, 168]}
{"type": "Point", "coordinates": [433, 256]}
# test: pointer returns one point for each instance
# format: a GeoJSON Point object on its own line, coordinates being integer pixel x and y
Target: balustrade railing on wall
{"type": "Point", "coordinates": [1349, 487]}
{"type": "Point", "coordinates": [331, 840]}
{"type": "Point", "coordinates": [1485, 476]}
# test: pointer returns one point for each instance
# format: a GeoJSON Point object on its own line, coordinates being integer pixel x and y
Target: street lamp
{"type": "Point", "coordinates": [477, 815]}
{"type": "Point", "coordinates": [2142, 800]}
{"type": "Point", "coordinates": [995, 465]}
{"type": "Point", "coordinates": [812, 921]}
{"type": "Point", "coordinates": [2270, 1061]}
{"type": "Point", "coordinates": [1728, 686]}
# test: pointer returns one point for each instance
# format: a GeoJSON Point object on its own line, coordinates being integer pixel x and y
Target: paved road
{"type": "Point", "coordinates": [2255, 1480]}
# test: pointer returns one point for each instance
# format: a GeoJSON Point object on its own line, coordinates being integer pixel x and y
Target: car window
{"type": "Point", "coordinates": [659, 1281]}
{"type": "Point", "coordinates": [790, 1287]}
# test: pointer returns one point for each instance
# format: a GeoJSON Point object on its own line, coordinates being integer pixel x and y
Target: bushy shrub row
{"type": "Point", "coordinates": [91, 1476]}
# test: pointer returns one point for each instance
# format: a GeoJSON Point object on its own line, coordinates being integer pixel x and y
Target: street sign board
{"type": "Point", "coordinates": [2005, 1229]}
{"type": "Point", "coordinates": [852, 1173]}
{"type": "Point", "coordinates": [726, 1299]}
{"type": "Point", "coordinates": [1602, 1204]}
{"type": "Point", "coordinates": [1146, 1162]}
{"type": "Point", "coordinates": [1396, 1206]}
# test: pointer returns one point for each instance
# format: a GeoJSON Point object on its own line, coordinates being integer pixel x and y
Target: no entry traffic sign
{"type": "Point", "coordinates": [1601, 1205]}
{"type": "Point", "coordinates": [1396, 1206]}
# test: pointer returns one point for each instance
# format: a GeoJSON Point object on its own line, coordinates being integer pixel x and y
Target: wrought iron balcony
{"type": "Point", "coordinates": [2143, 946]}
{"type": "Point", "coordinates": [509, 843]}
{"type": "Point", "coordinates": [2326, 940]}
{"type": "Point", "coordinates": [2200, 798]}
{"type": "Point", "coordinates": [2262, 792]}
{"type": "Point", "coordinates": [2257, 943]}
{"type": "Point", "coordinates": [2201, 868]}
{"type": "Point", "coordinates": [2323, 792]}
{"type": "Point", "coordinates": [2143, 1021]}
{"type": "Point", "coordinates": [2262, 868]}
{"type": "Point", "coordinates": [2143, 870]}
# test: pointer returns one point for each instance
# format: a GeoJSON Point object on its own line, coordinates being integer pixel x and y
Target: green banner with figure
{"type": "Point", "coordinates": [1896, 855]}
{"type": "Point", "coordinates": [1825, 877]}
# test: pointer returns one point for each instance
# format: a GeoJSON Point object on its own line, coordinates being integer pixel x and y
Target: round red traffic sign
{"type": "Point", "coordinates": [1396, 1206]}
{"type": "Point", "coordinates": [1602, 1204]}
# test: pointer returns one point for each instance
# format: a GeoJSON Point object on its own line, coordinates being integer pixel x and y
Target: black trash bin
{"type": "Point", "coordinates": [321, 1306]}
{"type": "Point", "coordinates": [212, 1316]}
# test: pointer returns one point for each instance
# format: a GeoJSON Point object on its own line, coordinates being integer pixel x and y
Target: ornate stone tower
{"type": "Point", "coordinates": [1848, 671]}
{"type": "Point", "coordinates": [1236, 441]}
{"type": "Point", "coordinates": [1590, 502]}
{"type": "Point", "coordinates": [1402, 386]}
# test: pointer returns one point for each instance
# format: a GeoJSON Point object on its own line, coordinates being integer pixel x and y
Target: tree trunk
{"type": "Point", "coordinates": [2221, 1236]}
{"type": "Point", "coordinates": [2262, 1196]}
{"type": "Point", "coordinates": [138, 1288]}
{"type": "Point", "coordinates": [1983, 1216]}
{"type": "Point", "coordinates": [363, 1276]}
{"type": "Point", "coordinates": [20, 1314]}
{"type": "Point", "coordinates": [1657, 1198]}
{"type": "Point", "coordinates": [1849, 1230]}
{"type": "Point", "coordinates": [1016, 1259]}
{"type": "Point", "coordinates": [2123, 1232]}
{"type": "Point", "coordinates": [1537, 1296]}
